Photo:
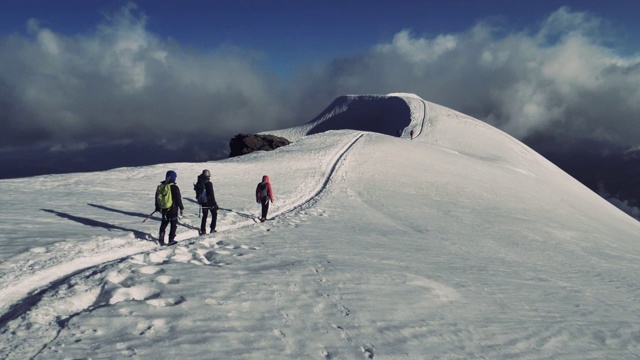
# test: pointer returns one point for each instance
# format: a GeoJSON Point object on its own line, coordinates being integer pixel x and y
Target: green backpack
{"type": "Point", "coordinates": [163, 196]}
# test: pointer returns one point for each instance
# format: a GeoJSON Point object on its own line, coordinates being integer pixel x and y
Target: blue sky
{"type": "Point", "coordinates": [79, 72]}
{"type": "Point", "coordinates": [292, 33]}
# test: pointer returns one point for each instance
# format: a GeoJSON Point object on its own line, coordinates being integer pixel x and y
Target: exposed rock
{"type": "Point", "coordinates": [242, 144]}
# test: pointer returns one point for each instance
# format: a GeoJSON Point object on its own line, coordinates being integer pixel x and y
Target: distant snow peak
{"type": "Point", "coordinates": [385, 114]}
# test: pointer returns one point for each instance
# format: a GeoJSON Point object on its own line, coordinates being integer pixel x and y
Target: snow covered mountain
{"type": "Point", "coordinates": [459, 243]}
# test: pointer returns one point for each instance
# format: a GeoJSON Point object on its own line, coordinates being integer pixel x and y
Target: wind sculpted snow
{"type": "Point", "coordinates": [461, 243]}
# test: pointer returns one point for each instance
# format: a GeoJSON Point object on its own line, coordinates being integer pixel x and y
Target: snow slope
{"type": "Point", "coordinates": [462, 243]}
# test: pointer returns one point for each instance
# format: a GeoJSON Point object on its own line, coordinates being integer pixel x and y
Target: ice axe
{"type": "Point", "coordinates": [149, 217]}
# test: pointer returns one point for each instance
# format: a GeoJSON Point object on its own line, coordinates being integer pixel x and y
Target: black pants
{"type": "Point", "coordinates": [214, 219]}
{"type": "Point", "coordinates": [163, 226]}
{"type": "Point", "coordinates": [265, 208]}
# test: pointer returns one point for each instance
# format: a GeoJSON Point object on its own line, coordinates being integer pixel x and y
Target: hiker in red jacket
{"type": "Point", "coordinates": [264, 194]}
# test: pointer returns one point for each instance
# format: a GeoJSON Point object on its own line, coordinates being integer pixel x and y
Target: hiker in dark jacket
{"type": "Point", "coordinates": [264, 194]}
{"type": "Point", "coordinates": [170, 214]}
{"type": "Point", "coordinates": [210, 205]}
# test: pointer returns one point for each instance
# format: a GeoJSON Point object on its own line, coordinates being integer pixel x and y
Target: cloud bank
{"type": "Point", "coordinates": [123, 82]}
{"type": "Point", "coordinates": [562, 80]}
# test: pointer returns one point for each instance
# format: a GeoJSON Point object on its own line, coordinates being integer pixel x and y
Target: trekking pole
{"type": "Point", "coordinates": [149, 217]}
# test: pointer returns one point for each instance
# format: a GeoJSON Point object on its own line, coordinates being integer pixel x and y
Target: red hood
{"type": "Point", "coordinates": [265, 178]}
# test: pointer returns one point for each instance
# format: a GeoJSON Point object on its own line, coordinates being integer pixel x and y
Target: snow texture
{"type": "Point", "coordinates": [462, 243]}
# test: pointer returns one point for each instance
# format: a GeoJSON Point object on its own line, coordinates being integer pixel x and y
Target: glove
{"type": "Point", "coordinates": [215, 207]}
{"type": "Point", "coordinates": [181, 213]}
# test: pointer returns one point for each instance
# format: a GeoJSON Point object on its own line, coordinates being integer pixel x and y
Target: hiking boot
{"type": "Point", "coordinates": [172, 242]}
{"type": "Point", "coordinates": [201, 232]}
{"type": "Point", "coordinates": [263, 219]}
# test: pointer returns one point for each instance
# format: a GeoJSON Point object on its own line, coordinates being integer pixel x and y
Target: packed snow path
{"type": "Point", "coordinates": [419, 113]}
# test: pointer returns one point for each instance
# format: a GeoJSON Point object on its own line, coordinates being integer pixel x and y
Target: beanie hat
{"type": "Point", "coordinates": [206, 173]}
{"type": "Point", "coordinates": [171, 176]}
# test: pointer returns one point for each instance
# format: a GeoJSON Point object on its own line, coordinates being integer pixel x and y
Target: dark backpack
{"type": "Point", "coordinates": [201, 192]}
{"type": "Point", "coordinates": [263, 191]}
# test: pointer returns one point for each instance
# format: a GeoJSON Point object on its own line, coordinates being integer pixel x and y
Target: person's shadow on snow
{"type": "Point", "coordinates": [248, 216]}
{"type": "Point", "coordinates": [141, 215]}
{"type": "Point", "coordinates": [94, 223]}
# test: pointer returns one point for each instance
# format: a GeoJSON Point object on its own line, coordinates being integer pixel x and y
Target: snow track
{"type": "Point", "coordinates": [337, 160]}
{"type": "Point", "coordinates": [424, 114]}
{"type": "Point", "coordinates": [18, 298]}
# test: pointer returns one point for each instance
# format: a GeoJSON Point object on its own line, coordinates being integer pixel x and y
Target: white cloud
{"type": "Point", "coordinates": [418, 50]}
{"type": "Point", "coordinates": [557, 80]}
{"type": "Point", "coordinates": [122, 81]}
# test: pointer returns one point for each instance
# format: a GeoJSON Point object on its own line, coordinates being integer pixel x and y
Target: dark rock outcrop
{"type": "Point", "coordinates": [242, 144]}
